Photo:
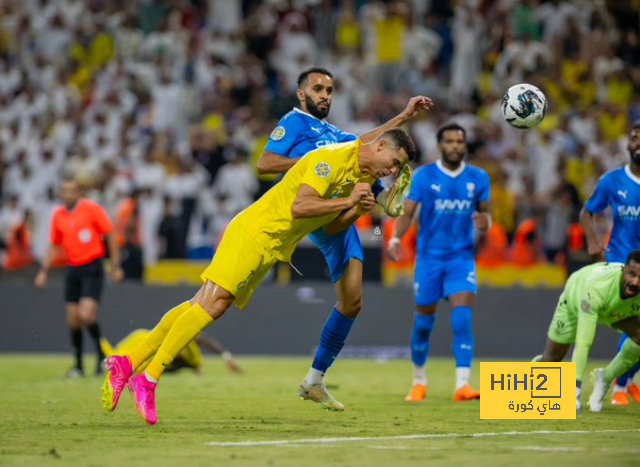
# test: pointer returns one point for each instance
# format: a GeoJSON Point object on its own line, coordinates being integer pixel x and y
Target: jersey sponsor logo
{"type": "Point", "coordinates": [452, 205]}
{"type": "Point", "coordinates": [324, 142]}
{"type": "Point", "coordinates": [278, 133]}
{"type": "Point", "coordinates": [435, 187]}
{"type": "Point", "coordinates": [323, 170]}
{"type": "Point", "coordinates": [623, 193]}
{"type": "Point", "coordinates": [632, 212]}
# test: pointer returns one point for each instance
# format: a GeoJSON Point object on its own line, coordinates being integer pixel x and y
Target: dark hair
{"type": "Point", "coordinates": [401, 140]}
{"type": "Point", "coordinates": [633, 256]}
{"type": "Point", "coordinates": [634, 125]}
{"type": "Point", "coordinates": [303, 77]}
{"type": "Point", "coordinates": [449, 127]}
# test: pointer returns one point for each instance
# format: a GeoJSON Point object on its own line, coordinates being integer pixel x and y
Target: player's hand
{"type": "Point", "coordinates": [481, 220]}
{"type": "Point", "coordinates": [41, 278]}
{"type": "Point", "coordinates": [233, 366]}
{"type": "Point", "coordinates": [117, 274]}
{"type": "Point", "coordinates": [365, 205]}
{"type": "Point", "coordinates": [394, 249]}
{"type": "Point", "coordinates": [360, 192]}
{"type": "Point", "coordinates": [416, 105]}
{"type": "Point", "coordinates": [597, 251]}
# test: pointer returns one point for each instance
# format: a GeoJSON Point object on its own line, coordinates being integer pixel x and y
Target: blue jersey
{"type": "Point", "coordinates": [448, 201]}
{"type": "Point", "coordinates": [620, 189]}
{"type": "Point", "coordinates": [298, 133]}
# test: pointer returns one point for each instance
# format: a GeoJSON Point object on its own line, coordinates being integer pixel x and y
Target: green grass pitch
{"type": "Point", "coordinates": [45, 420]}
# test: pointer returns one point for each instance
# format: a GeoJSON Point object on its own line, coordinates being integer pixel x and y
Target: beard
{"type": "Point", "coordinates": [313, 109]}
{"type": "Point", "coordinates": [635, 156]}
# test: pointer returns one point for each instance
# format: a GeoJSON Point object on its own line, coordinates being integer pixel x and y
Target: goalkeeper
{"type": "Point", "coordinates": [601, 293]}
{"type": "Point", "coordinates": [302, 130]}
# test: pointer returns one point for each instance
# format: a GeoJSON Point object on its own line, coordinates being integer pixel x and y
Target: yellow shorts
{"type": "Point", "coordinates": [239, 264]}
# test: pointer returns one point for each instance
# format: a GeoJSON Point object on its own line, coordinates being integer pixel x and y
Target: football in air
{"type": "Point", "coordinates": [524, 106]}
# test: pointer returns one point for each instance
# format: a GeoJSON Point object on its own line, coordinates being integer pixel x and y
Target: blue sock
{"type": "Point", "coordinates": [624, 378]}
{"type": "Point", "coordinates": [334, 333]}
{"type": "Point", "coordinates": [462, 344]}
{"type": "Point", "coordinates": [422, 327]}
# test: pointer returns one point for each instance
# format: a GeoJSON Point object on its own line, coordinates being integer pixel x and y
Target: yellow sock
{"type": "Point", "coordinates": [145, 349]}
{"type": "Point", "coordinates": [183, 331]}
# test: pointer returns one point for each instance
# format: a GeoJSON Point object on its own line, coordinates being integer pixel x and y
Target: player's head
{"type": "Point", "coordinates": [315, 88]}
{"type": "Point", "coordinates": [452, 143]}
{"type": "Point", "coordinates": [631, 275]}
{"type": "Point", "coordinates": [69, 192]}
{"type": "Point", "coordinates": [392, 151]}
{"type": "Point", "coordinates": [634, 143]}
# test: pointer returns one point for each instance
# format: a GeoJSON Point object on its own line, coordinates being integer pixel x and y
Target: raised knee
{"type": "Point", "coordinates": [351, 308]}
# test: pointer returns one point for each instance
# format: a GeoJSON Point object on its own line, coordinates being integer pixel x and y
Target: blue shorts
{"type": "Point", "coordinates": [436, 278]}
{"type": "Point", "coordinates": [338, 249]}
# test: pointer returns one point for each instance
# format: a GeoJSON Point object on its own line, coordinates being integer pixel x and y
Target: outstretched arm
{"type": "Point", "coordinates": [272, 163]}
{"type": "Point", "coordinates": [403, 223]}
{"type": "Point", "coordinates": [414, 107]}
{"type": "Point", "coordinates": [214, 345]}
{"type": "Point", "coordinates": [595, 246]}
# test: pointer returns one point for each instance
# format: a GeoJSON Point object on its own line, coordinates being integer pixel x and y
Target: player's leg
{"type": "Point", "coordinates": [92, 283]}
{"type": "Point", "coordinates": [210, 303]}
{"type": "Point", "coordinates": [624, 383]}
{"type": "Point", "coordinates": [238, 267]}
{"type": "Point", "coordinates": [72, 297]}
{"type": "Point", "coordinates": [75, 330]}
{"type": "Point", "coordinates": [427, 287]}
{"type": "Point", "coordinates": [460, 288]}
{"type": "Point", "coordinates": [343, 253]}
{"type": "Point", "coordinates": [623, 361]}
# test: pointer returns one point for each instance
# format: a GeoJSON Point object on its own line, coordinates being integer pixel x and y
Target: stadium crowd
{"type": "Point", "coordinates": [160, 108]}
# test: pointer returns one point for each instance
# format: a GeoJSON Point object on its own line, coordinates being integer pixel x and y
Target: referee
{"type": "Point", "coordinates": [78, 226]}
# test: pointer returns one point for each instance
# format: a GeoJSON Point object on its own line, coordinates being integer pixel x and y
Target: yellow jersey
{"type": "Point", "coordinates": [331, 170]}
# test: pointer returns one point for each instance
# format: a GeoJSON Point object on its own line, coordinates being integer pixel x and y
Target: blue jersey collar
{"type": "Point", "coordinates": [450, 173]}
{"type": "Point", "coordinates": [295, 109]}
{"type": "Point", "coordinates": [627, 170]}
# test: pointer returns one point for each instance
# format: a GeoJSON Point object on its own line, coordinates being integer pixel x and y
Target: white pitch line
{"type": "Point", "coordinates": [409, 437]}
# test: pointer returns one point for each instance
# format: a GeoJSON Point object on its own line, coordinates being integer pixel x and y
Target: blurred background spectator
{"type": "Point", "coordinates": [159, 108]}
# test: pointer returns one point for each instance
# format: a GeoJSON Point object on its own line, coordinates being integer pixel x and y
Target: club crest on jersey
{"type": "Point", "coordinates": [323, 170]}
{"type": "Point", "coordinates": [470, 189]}
{"type": "Point", "coordinates": [278, 133]}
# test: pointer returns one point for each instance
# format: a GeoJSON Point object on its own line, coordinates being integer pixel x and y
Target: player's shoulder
{"type": "Point", "coordinates": [90, 205]}
{"type": "Point", "coordinates": [476, 171]}
{"type": "Point", "coordinates": [425, 170]}
{"type": "Point", "coordinates": [613, 175]}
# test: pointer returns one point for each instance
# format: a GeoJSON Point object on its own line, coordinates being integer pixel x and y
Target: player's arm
{"type": "Point", "coordinates": [403, 223]}
{"type": "Point", "coordinates": [215, 346]}
{"type": "Point", "coordinates": [348, 217]}
{"type": "Point", "coordinates": [482, 216]}
{"type": "Point", "coordinates": [414, 107]}
{"type": "Point", "coordinates": [590, 303]}
{"type": "Point", "coordinates": [272, 163]}
{"type": "Point", "coordinates": [43, 273]}
{"type": "Point", "coordinates": [117, 274]}
{"type": "Point", "coordinates": [309, 203]}
{"type": "Point", "coordinates": [595, 246]}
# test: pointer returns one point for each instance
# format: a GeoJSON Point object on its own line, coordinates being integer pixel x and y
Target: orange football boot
{"type": "Point", "coordinates": [634, 392]}
{"type": "Point", "coordinates": [466, 393]}
{"type": "Point", "coordinates": [619, 398]}
{"type": "Point", "coordinates": [417, 393]}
